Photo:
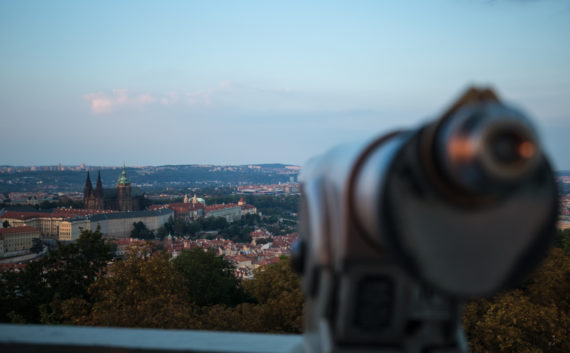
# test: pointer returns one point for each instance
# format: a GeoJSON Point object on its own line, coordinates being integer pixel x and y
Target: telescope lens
{"type": "Point", "coordinates": [510, 148]}
{"type": "Point", "coordinates": [488, 149]}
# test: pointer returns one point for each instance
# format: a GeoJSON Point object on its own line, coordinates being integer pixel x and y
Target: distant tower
{"type": "Point", "coordinates": [124, 199]}
{"type": "Point", "coordinates": [87, 192]}
{"type": "Point", "coordinates": [99, 194]}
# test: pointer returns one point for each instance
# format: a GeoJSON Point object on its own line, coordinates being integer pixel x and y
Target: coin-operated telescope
{"type": "Point", "coordinates": [397, 231]}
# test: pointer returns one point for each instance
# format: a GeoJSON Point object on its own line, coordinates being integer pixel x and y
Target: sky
{"type": "Point", "coordinates": [240, 82]}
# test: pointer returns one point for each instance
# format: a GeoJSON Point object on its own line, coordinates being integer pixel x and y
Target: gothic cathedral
{"type": "Point", "coordinates": [122, 198]}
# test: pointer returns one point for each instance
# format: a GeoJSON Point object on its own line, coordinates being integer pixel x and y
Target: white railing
{"type": "Point", "coordinates": [73, 339]}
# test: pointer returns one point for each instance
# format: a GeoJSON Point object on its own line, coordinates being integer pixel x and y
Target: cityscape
{"type": "Point", "coordinates": [285, 177]}
{"type": "Point", "coordinates": [115, 211]}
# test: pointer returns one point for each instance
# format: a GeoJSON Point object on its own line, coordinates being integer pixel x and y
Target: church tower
{"type": "Point", "coordinates": [124, 199]}
{"type": "Point", "coordinates": [99, 194]}
{"type": "Point", "coordinates": [87, 192]}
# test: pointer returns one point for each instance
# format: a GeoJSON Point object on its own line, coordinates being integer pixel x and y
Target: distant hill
{"type": "Point", "coordinates": [272, 165]}
{"type": "Point", "coordinates": [67, 179]}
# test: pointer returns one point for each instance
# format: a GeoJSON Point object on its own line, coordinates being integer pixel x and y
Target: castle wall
{"type": "Point", "coordinates": [113, 225]}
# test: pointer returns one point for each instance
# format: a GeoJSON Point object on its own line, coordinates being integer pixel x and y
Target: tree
{"type": "Point", "coordinates": [169, 226]}
{"type": "Point", "coordinates": [245, 317]}
{"type": "Point", "coordinates": [180, 227]}
{"type": "Point", "coordinates": [34, 295]}
{"type": "Point", "coordinates": [161, 233]}
{"type": "Point", "coordinates": [562, 240]}
{"type": "Point", "coordinates": [279, 308]}
{"type": "Point", "coordinates": [213, 223]}
{"type": "Point", "coordinates": [37, 245]}
{"type": "Point", "coordinates": [237, 232]}
{"type": "Point", "coordinates": [209, 279]}
{"type": "Point", "coordinates": [278, 290]}
{"type": "Point", "coordinates": [140, 231]}
{"type": "Point", "coordinates": [532, 318]}
{"type": "Point", "coordinates": [47, 205]}
{"type": "Point", "coordinates": [142, 292]}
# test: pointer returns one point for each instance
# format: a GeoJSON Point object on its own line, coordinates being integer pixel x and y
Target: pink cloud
{"type": "Point", "coordinates": [121, 99]}
{"type": "Point", "coordinates": [104, 103]}
{"type": "Point", "coordinates": [145, 98]}
{"type": "Point", "coordinates": [169, 98]}
{"type": "Point", "coordinates": [121, 95]}
{"type": "Point", "coordinates": [100, 104]}
{"type": "Point", "coordinates": [201, 97]}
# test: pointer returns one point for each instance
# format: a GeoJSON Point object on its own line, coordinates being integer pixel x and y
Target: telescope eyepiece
{"type": "Point", "coordinates": [511, 148]}
{"type": "Point", "coordinates": [486, 149]}
{"type": "Point", "coordinates": [395, 232]}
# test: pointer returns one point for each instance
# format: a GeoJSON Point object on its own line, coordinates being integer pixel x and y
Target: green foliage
{"type": "Point", "coordinates": [169, 227]}
{"type": "Point", "coordinates": [213, 223]}
{"type": "Point", "coordinates": [33, 295]}
{"type": "Point", "coordinates": [37, 246]}
{"type": "Point", "coordinates": [140, 231]}
{"type": "Point", "coordinates": [532, 318]}
{"type": "Point", "coordinates": [237, 231]}
{"type": "Point", "coordinates": [278, 290]}
{"type": "Point", "coordinates": [279, 309]}
{"type": "Point", "coordinates": [562, 240]}
{"type": "Point", "coordinates": [141, 292]}
{"type": "Point", "coordinates": [197, 290]}
{"type": "Point", "coordinates": [281, 205]}
{"type": "Point", "coordinates": [208, 279]}
{"type": "Point", "coordinates": [64, 202]}
{"type": "Point", "coordinates": [179, 227]}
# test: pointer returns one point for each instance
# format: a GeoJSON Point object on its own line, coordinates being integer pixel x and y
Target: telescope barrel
{"type": "Point", "coordinates": [397, 231]}
{"type": "Point", "coordinates": [473, 185]}
{"type": "Point", "coordinates": [487, 149]}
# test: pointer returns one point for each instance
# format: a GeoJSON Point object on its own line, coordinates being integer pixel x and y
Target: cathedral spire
{"type": "Point", "coordinates": [123, 178]}
{"type": "Point", "coordinates": [99, 186]}
{"type": "Point", "coordinates": [88, 186]}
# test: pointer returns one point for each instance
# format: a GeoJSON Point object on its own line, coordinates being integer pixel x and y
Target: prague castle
{"type": "Point", "coordinates": [121, 198]}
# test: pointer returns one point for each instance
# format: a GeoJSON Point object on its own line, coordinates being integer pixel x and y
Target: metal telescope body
{"type": "Point", "coordinates": [397, 231]}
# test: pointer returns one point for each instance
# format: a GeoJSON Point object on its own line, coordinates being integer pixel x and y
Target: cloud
{"type": "Point", "coordinates": [105, 103]}
{"type": "Point", "coordinates": [201, 97]}
{"type": "Point", "coordinates": [224, 94]}
{"type": "Point", "coordinates": [145, 98]}
{"type": "Point", "coordinates": [122, 99]}
{"type": "Point", "coordinates": [169, 98]}
{"type": "Point", "coordinates": [100, 104]}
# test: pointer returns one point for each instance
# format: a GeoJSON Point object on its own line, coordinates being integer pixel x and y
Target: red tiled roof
{"type": "Point", "coordinates": [266, 186]}
{"type": "Point", "coordinates": [259, 233]}
{"type": "Point", "coordinates": [220, 207]}
{"type": "Point", "coordinates": [126, 241]}
{"type": "Point", "coordinates": [265, 262]}
{"type": "Point", "coordinates": [18, 230]}
{"type": "Point", "coordinates": [59, 212]}
{"type": "Point", "coordinates": [241, 258]}
{"type": "Point", "coordinates": [70, 212]}
{"type": "Point", "coordinates": [24, 215]}
{"type": "Point", "coordinates": [16, 266]}
{"type": "Point", "coordinates": [178, 206]}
